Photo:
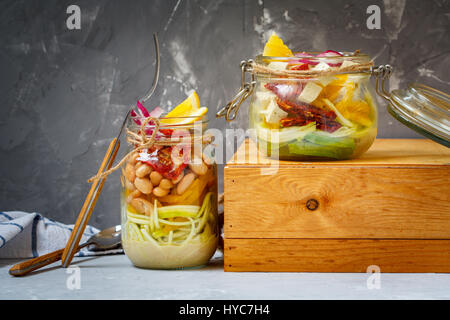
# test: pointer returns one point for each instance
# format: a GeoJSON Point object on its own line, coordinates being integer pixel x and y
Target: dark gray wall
{"type": "Point", "coordinates": [63, 93]}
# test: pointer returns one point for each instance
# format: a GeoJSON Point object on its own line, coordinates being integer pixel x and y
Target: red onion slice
{"type": "Point", "coordinates": [143, 113]}
{"type": "Point", "coordinates": [306, 61]}
{"type": "Point", "coordinates": [143, 110]}
{"type": "Point", "coordinates": [134, 115]}
{"type": "Point", "coordinates": [331, 53]}
{"type": "Point", "coordinates": [156, 112]}
{"type": "Point", "coordinates": [328, 53]}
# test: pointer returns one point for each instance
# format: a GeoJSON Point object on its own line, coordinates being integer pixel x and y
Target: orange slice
{"type": "Point", "coordinates": [276, 48]}
{"type": "Point", "coordinates": [359, 112]}
{"type": "Point", "coordinates": [356, 111]}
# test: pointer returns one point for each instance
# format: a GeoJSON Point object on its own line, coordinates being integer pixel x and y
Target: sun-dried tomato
{"type": "Point", "coordinates": [305, 110]}
{"type": "Point", "coordinates": [168, 161]}
{"type": "Point", "coordinates": [163, 132]}
{"type": "Point", "coordinates": [303, 66]}
{"type": "Point", "coordinates": [305, 113]}
{"type": "Point", "coordinates": [166, 132]}
{"type": "Point", "coordinates": [298, 121]}
{"type": "Point", "coordinates": [328, 126]}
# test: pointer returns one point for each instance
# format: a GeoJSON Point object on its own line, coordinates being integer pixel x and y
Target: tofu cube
{"type": "Point", "coordinates": [325, 80]}
{"type": "Point", "coordinates": [310, 92]}
{"type": "Point", "coordinates": [278, 65]}
{"type": "Point", "coordinates": [322, 66]}
{"type": "Point", "coordinates": [263, 98]}
{"type": "Point", "coordinates": [274, 114]}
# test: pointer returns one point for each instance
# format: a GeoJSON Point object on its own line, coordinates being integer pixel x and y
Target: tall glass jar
{"type": "Point", "coordinates": [310, 107]}
{"type": "Point", "coordinates": [169, 198]}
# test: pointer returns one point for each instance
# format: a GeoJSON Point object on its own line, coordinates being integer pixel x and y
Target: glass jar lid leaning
{"type": "Point", "coordinates": [423, 109]}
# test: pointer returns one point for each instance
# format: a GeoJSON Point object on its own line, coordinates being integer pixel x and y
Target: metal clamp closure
{"type": "Point", "coordinates": [382, 73]}
{"type": "Point", "coordinates": [230, 110]}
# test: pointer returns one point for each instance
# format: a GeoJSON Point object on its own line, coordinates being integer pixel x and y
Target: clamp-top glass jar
{"type": "Point", "coordinates": [169, 196]}
{"type": "Point", "coordinates": [309, 106]}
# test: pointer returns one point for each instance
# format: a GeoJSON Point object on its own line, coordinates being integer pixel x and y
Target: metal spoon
{"type": "Point", "coordinates": [106, 239]}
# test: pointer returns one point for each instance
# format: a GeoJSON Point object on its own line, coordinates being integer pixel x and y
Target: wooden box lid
{"type": "Point", "coordinates": [399, 189]}
{"type": "Point", "coordinates": [383, 152]}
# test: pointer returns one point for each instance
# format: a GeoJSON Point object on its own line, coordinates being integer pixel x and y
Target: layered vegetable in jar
{"type": "Point", "coordinates": [169, 190]}
{"type": "Point", "coordinates": [309, 106]}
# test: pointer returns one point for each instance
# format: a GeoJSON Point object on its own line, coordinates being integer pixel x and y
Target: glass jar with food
{"type": "Point", "coordinates": [169, 189]}
{"type": "Point", "coordinates": [322, 106]}
{"type": "Point", "coordinates": [307, 106]}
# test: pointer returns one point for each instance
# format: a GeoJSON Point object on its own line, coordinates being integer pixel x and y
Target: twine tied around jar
{"type": "Point", "coordinates": [354, 68]}
{"type": "Point", "coordinates": [143, 142]}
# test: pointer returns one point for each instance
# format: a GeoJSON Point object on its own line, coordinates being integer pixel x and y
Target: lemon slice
{"type": "Point", "coordinates": [194, 115]}
{"type": "Point", "coordinates": [192, 102]}
{"type": "Point", "coordinates": [189, 108]}
{"type": "Point", "coordinates": [276, 48]}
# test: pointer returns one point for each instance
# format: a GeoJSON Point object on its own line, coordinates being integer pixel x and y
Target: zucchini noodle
{"type": "Point", "coordinates": [191, 234]}
{"type": "Point", "coordinates": [136, 232]}
{"type": "Point", "coordinates": [155, 215]}
{"type": "Point", "coordinates": [148, 237]}
{"type": "Point", "coordinates": [172, 225]}
{"type": "Point", "coordinates": [170, 237]}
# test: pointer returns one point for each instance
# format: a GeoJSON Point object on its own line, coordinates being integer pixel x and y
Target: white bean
{"type": "Point", "coordinates": [148, 207]}
{"type": "Point", "coordinates": [207, 159]}
{"type": "Point", "coordinates": [143, 170]}
{"type": "Point", "coordinates": [133, 159]}
{"type": "Point", "coordinates": [142, 206]}
{"type": "Point", "coordinates": [129, 185]}
{"type": "Point", "coordinates": [132, 195]}
{"type": "Point", "coordinates": [198, 166]}
{"type": "Point", "coordinates": [155, 177]}
{"type": "Point", "coordinates": [178, 179]}
{"type": "Point", "coordinates": [160, 192]}
{"type": "Point", "coordinates": [143, 185]}
{"type": "Point", "coordinates": [185, 183]}
{"type": "Point", "coordinates": [130, 174]}
{"type": "Point", "coordinates": [166, 184]}
{"type": "Point", "coordinates": [137, 165]}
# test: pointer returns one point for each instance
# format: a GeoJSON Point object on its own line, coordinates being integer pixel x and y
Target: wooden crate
{"type": "Point", "coordinates": [390, 208]}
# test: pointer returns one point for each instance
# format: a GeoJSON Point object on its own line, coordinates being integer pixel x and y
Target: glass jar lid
{"type": "Point", "coordinates": [423, 109]}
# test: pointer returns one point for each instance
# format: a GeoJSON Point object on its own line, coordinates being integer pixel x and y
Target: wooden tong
{"type": "Point", "coordinates": [89, 204]}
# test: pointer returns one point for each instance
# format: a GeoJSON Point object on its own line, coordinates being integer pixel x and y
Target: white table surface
{"type": "Point", "coordinates": [114, 277]}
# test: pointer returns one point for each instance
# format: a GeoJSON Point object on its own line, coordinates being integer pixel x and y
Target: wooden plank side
{"type": "Point", "coordinates": [407, 203]}
{"type": "Point", "coordinates": [326, 255]}
{"type": "Point", "coordinates": [384, 152]}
